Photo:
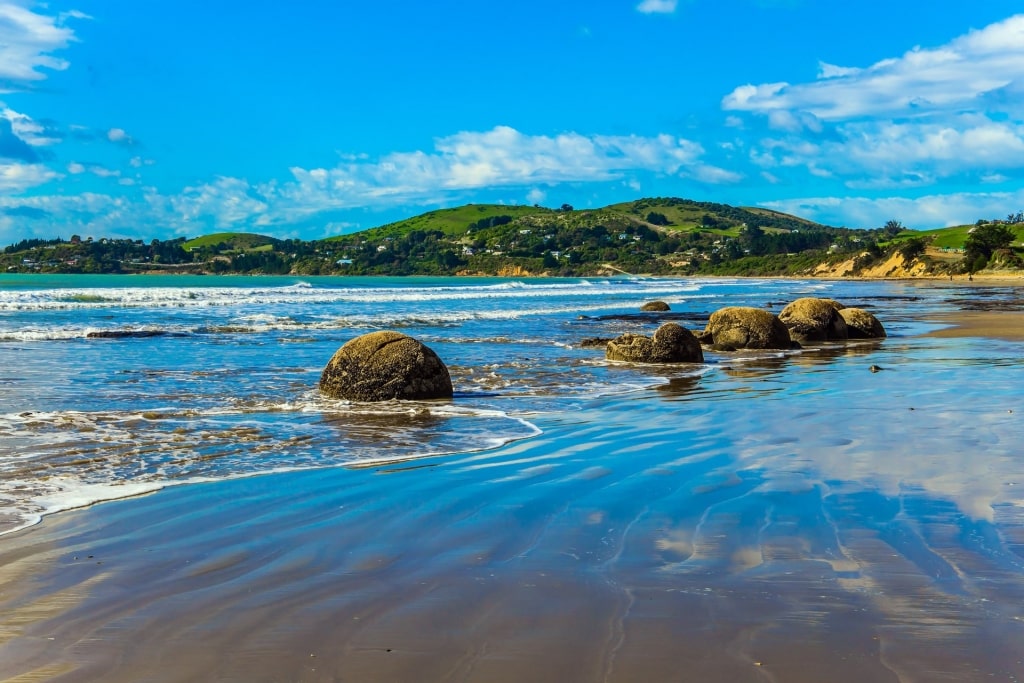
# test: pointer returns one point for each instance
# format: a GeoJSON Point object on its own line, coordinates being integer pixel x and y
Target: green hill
{"type": "Point", "coordinates": [232, 241]}
{"type": "Point", "coordinates": [456, 221]}
{"type": "Point", "coordinates": [955, 237]}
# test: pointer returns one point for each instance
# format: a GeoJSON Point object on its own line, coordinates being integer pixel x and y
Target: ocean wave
{"type": "Point", "coordinates": [56, 460]}
{"type": "Point", "coordinates": [305, 293]}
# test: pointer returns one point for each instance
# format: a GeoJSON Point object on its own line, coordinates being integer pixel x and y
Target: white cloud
{"type": "Point", "coordinates": [979, 63]}
{"type": "Point", "coordinates": [933, 114]}
{"type": "Point", "coordinates": [931, 211]}
{"type": "Point", "coordinates": [471, 160]}
{"type": "Point", "coordinates": [27, 129]}
{"type": "Point", "coordinates": [657, 6]}
{"type": "Point", "coordinates": [17, 177]}
{"type": "Point", "coordinates": [227, 201]}
{"type": "Point", "coordinates": [27, 40]}
{"type": "Point", "coordinates": [119, 136]}
{"type": "Point", "coordinates": [457, 168]}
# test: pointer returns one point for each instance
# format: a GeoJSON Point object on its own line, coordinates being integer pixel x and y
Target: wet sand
{"type": "Point", "coordinates": [996, 325]}
{"type": "Point", "coordinates": [727, 528]}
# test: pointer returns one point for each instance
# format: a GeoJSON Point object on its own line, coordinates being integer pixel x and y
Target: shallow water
{"type": "Point", "coordinates": [756, 518]}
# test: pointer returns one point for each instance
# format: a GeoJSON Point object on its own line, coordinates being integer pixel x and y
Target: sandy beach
{"type": "Point", "coordinates": [789, 517]}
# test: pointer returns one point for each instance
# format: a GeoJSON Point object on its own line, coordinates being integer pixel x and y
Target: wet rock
{"type": "Point", "coordinates": [862, 325]}
{"type": "Point", "coordinates": [125, 334]}
{"type": "Point", "coordinates": [743, 327]}
{"type": "Point", "coordinates": [670, 344]}
{"type": "Point", "coordinates": [813, 320]}
{"type": "Point", "coordinates": [594, 342]}
{"type": "Point", "coordinates": [385, 365]}
{"type": "Point", "coordinates": [655, 306]}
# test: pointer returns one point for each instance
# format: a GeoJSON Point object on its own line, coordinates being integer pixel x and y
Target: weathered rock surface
{"type": "Point", "coordinates": [814, 320]}
{"type": "Point", "coordinates": [670, 344]}
{"type": "Point", "coordinates": [655, 306]}
{"type": "Point", "coordinates": [743, 327]}
{"type": "Point", "coordinates": [862, 325]}
{"type": "Point", "coordinates": [594, 342]}
{"type": "Point", "coordinates": [385, 365]}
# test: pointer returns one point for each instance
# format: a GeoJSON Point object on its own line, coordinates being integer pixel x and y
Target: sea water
{"type": "Point", "coordinates": [216, 378]}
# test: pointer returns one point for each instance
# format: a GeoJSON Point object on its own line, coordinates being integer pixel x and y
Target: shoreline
{"type": "Point", "coordinates": [765, 520]}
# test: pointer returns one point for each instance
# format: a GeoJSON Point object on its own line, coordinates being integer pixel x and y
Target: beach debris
{"type": "Point", "coordinates": [385, 365]}
{"type": "Point", "coordinates": [655, 306]}
{"type": "Point", "coordinates": [671, 343]}
{"type": "Point", "coordinates": [812, 319]}
{"type": "Point", "coordinates": [862, 325]}
{"type": "Point", "coordinates": [744, 327]}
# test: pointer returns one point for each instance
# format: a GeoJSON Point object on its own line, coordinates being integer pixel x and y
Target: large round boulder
{"type": "Point", "coordinates": [862, 325]}
{"type": "Point", "coordinates": [813, 320]}
{"type": "Point", "coordinates": [744, 327]}
{"type": "Point", "coordinates": [385, 365]}
{"type": "Point", "coordinates": [670, 344]}
{"type": "Point", "coordinates": [655, 306]}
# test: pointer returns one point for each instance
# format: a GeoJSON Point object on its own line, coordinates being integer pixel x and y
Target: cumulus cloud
{"type": "Point", "coordinates": [952, 112]}
{"type": "Point", "coordinates": [18, 177]}
{"type": "Point", "coordinates": [457, 167]}
{"type": "Point", "coordinates": [119, 137]}
{"type": "Point", "coordinates": [28, 39]}
{"type": "Point", "coordinates": [472, 160]}
{"type": "Point", "coordinates": [930, 211]}
{"type": "Point", "coordinates": [227, 201]}
{"type": "Point", "coordinates": [977, 65]}
{"type": "Point", "coordinates": [657, 6]}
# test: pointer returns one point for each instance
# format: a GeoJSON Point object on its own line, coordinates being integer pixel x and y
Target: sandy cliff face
{"type": "Point", "coordinates": [893, 267]}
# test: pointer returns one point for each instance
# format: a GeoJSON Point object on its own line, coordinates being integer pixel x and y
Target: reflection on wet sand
{"type": "Point", "coordinates": [651, 537]}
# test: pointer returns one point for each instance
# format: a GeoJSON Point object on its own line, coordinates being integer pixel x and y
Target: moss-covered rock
{"type": "Point", "coordinates": [744, 327]}
{"type": "Point", "coordinates": [656, 306]}
{"type": "Point", "coordinates": [862, 325]}
{"type": "Point", "coordinates": [814, 320]}
{"type": "Point", "coordinates": [671, 343]}
{"type": "Point", "coordinates": [385, 365]}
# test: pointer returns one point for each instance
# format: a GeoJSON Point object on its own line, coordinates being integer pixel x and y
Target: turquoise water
{"type": "Point", "coordinates": [560, 514]}
{"type": "Point", "coordinates": [224, 385]}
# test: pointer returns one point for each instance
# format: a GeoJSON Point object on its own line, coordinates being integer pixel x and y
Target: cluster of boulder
{"type": "Point", "coordinates": [387, 365]}
{"type": "Point", "coordinates": [741, 327]}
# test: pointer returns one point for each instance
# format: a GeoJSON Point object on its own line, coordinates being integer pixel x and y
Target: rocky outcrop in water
{"type": "Point", "coordinates": [862, 325]}
{"type": "Point", "coordinates": [813, 320]}
{"type": "Point", "coordinates": [655, 306]}
{"type": "Point", "coordinates": [125, 334]}
{"type": "Point", "coordinates": [743, 327]}
{"type": "Point", "coordinates": [385, 365]}
{"type": "Point", "coordinates": [671, 343]}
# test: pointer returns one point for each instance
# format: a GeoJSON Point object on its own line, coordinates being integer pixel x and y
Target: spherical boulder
{"type": "Point", "coordinates": [745, 327]}
{"type": "Point", "coordinates": [655, 306]}
{"type": "Point", "coordinates": [862, 325]}
{"type": "Point", "coordinates": [670, 344]}
{"type": "Point", "coordinates": [811, 319]}
{"type": "Point", "coordinates": [385, 365]}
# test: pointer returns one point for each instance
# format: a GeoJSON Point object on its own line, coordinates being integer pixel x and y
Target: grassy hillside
{"type": "Point", "coordinates": [954, 237]}
{"type": "Point", "coordinates": [232, 241]}
{"type": "Point", "coordinates": [455, 222]}
{"type": "Point", "coordinates": [666, 214]}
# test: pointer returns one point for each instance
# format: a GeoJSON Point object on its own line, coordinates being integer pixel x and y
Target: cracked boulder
{"type": "Point", "coordinates": [385, 365]}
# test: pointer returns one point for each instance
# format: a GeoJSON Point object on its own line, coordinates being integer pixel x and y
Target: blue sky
{"type": "Point", "coordinates": [143, 119]}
